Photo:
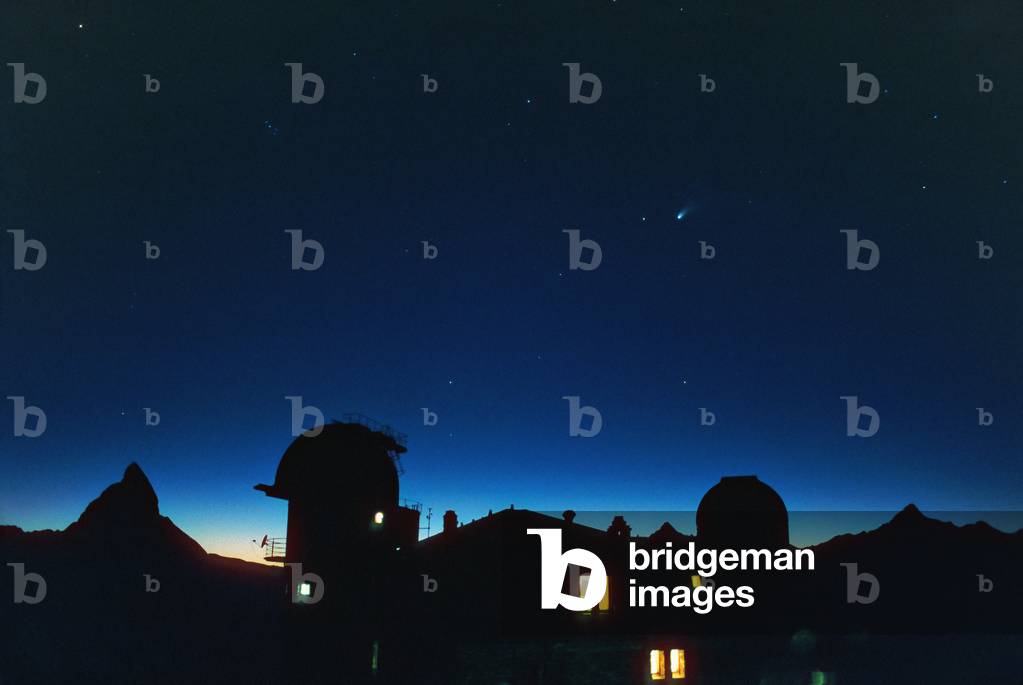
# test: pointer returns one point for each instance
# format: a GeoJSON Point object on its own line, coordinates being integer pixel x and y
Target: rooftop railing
{"type": "Point", "coordinates": [275, 549]}
{"type": "Point", "coordinates": [375, 425]}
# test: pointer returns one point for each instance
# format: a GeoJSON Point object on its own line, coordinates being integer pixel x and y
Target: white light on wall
{"type": "Point", "coordinates": [305, 589]}
{"type": "Point", "coordinates": [378, 518]}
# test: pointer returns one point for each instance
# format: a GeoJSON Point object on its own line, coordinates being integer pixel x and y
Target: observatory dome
{"type": "Point", "coordinates": [742, 512]}
{"type": "Point", "coordinates": [347, 460]}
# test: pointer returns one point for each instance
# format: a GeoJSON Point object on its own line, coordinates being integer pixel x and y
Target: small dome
{"type": "Point", "coordinates": [741, 511]}
{"type": "Point", "coordinates": [344, 461]}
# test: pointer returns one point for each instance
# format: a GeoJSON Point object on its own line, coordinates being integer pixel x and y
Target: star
{"type": "Point", "coordinates": [81, 26]}
{"type": "Point", "coordinates": [681, 214]}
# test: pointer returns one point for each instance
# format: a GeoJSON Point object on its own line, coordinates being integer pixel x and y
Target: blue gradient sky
{"type": "Point", "coordinates": [491, 335]}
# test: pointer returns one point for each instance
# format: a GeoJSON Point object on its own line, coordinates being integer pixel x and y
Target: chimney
{"type": "Point", "coordinates": [450, 521]}
{"type": "Point", "coordinates": [568, 515]}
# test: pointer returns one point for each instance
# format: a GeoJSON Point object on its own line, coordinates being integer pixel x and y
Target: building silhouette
{"type": "Point", "coordinates": [463, 605]}
{"type": "Point", "coordinates": [341, 485]}
{"type": "Point", "coordinates": [741, 511]}
{"type": "Point", "coordinates": [347, 538]}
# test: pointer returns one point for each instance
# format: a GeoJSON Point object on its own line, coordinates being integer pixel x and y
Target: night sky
{"type": "Point", "coordinates": [493, 333]}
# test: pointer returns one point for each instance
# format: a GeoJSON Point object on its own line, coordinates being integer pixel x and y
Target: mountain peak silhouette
{"type": "Point", "coordinates": [909, 514]}
{"type": "Point", "coordinates": [667, 529]}
{"type": "Point", "coordinates": [912, 521]}
{"type": "Point", "coordinates": [126, 518]}
{"type": "Point", "coordinates": [130, 502]}
{"type": "Point", "coordinates": [668, 533]}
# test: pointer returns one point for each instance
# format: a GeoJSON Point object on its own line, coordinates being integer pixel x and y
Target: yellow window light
{"type": "Point", "coordinates": [677, 661]}
{"type": "Point", "coordinates": [605, 601]}
{"type": "Point", "coordinates": [657, 671]}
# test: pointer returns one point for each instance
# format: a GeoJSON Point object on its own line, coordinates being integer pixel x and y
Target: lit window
{"type": "Point", "coordinates": [378, 518]}
{"type": "Point", "coordinates": [700, 581]}
{"type": "Point", "coordinates": [657, 664]}
{"type": "Point", "coordinates": [677, 661]}
{"type": "Point", "coordinates": [605, 601]}
{"type": "Point", "coordinates": [305, 589]}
